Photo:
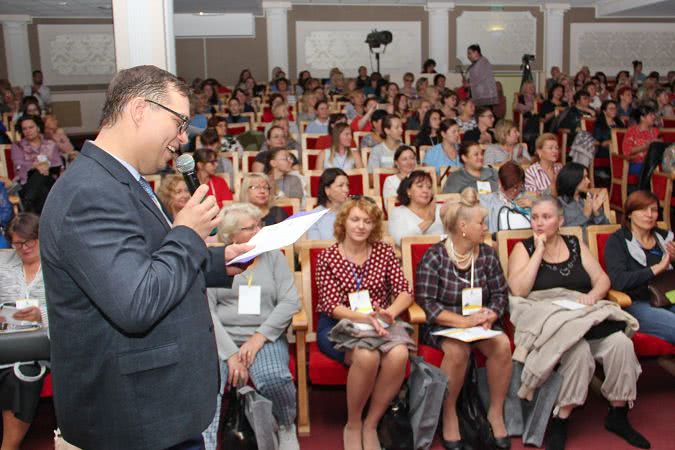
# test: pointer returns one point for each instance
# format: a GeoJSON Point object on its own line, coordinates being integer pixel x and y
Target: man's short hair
{"type": "Point", "coordinates": [148, 82]}
{"type": "Point", "coordinates": [475, 48]}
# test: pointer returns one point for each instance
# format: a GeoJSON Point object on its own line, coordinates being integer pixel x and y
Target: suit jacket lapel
{"type": "Point", "coordinates": [121, 173]}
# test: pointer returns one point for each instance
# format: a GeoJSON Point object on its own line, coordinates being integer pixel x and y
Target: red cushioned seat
{"type": "Point", "coordinates": [649, 346]}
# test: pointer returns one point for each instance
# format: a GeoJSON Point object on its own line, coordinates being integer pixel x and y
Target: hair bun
{"type": "Point", "coordinates": [469, 197]}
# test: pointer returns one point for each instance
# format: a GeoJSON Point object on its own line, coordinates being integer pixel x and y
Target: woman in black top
{"type": "Point", "coordinates": [603, 127]}
{"type": "Point", "coordinates": [429, 134]}
{"type": "Point", "coordinates": [554, 100]}
{"type": "Point", "coordinates": [549, 260]}
{"type": "Point", "coordinates": [635, 254]}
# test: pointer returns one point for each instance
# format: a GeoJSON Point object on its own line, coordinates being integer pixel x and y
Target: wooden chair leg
{"type": "Point", "coordinates": [303, 394]}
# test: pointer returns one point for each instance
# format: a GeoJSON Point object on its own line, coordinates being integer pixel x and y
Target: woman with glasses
{"type": "Point", "coordinates": [418, 214]}
{"type": "Point", "coordinates": [361, 267]}
{"type": "Point", "coordinates": [483, 132]}
{"type": "Point", "coordinates": [256, 189]}
{"type": "Point", "coordinates": [251, 342]}
{"type": "Point", "coordinates": [173, 194]}
{"type": "Point", "coordinates": [206, 161]}
{"type": "Point", "coordinates": [278, 167]}
{"type": "Point", "coordinates": [21, 278]}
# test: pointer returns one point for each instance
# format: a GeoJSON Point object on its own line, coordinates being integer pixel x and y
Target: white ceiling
{"type": "Point", "coordinates": [103, 8]}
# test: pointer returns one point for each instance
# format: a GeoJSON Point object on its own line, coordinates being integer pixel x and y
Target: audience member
{"type": "Point", "coordinates": [333, 193]}
{"type": "Point", "coordinates": [465, 119]}
{"type": "Point", "coordinates": [551, 104]}
{"type": "Point", "coordinates": [430, 132]}
{"type": "Point", "coordinates": [449, 102]}
{"type": "Point", "coordinates": [254, 345]}
{"type": "Point", "coordinates": [580, 206]}
{"type": "Point", "coordinates": [56, 134]}
{"type": "Point", "coordinates": [206, 160]}
{"type": "Point", "coordinates": [639, 138]}
{"type": "Point", "coordinates": [625, 110]}
{"type": "Point", "coordinates": [320, 124]}
{"type": "Point", "coordinates": [507, 147]}
{"type": "Point", "coordinates": [360, 263]}
{"type": "Point", "coordinates": [415, 120]}
{"type": "Point", "coordinates": [637, 253]}
{"type": "Point", "coordinates": [21, 278]}
{"type": "Point", "coordinates": [551, 260]}
{"type": "Point", "coordinates": [418, 213]}
{"type": "Point", "coordinates": [382, 154]}
{"type": "Point", "coordinates": [234, 112]}
{"type": "Point", "coordinates": [483, 132]}
{"type": "Point", "coordinates": [508, 199]}
{"type": "Point", "coordinates": [278, 167]}
{"type": "Point", "coordinates": [173, 194]}
{"type": "Point", "coordinates": [39, 90]}
{"type": "Point", "coordinates": [340, 154]}
{"type": "Point", "coordinates": [405, 161]}
{"type": "Point", "coordinates": [541, 176]}
{"type": "Point", "coordinates": [473, 173]}
{"type": "Point", "coordinates": [446, 153]}
{"type": "Point", "coordinates": [256, 189]}
{"type": "Point", "coordinates": [447, 269]}
{"type": "Point", "coordinates": [602, 132]}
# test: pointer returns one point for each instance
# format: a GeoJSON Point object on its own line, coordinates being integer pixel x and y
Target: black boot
{"type": "Point", "coordinates": [617, 422]}
{"type": "Point", "coordinates": [557, 434]}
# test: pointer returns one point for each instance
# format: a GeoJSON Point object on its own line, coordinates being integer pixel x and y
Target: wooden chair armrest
{"type": "Point", "coordinates": [670, 175]}
{"type": "Point", "coordinates": [416, 314]}
{"type": "Point", "coordinates": [299, 321]}
{"type": "Point", "coordinates": [619, 297]}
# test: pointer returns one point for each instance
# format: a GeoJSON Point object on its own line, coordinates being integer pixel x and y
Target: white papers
{"type": "Point", "coordinates": [11, 324]}
{"type": "Point", "coordinates": [274, 237]}
{"type": "Point", "coordinates": [468, 334]}
{"type": "Point", "coordinates": [569, 304]}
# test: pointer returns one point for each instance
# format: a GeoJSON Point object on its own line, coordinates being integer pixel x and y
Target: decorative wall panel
{"type": "Point", "coordinates": [323, 45]}
{"type": "Point", "coordinates": [77, 54]}
{"type": "Point", "coordinates": [611, 47]}
{"type": "Point", "coordinates": [504, 36]}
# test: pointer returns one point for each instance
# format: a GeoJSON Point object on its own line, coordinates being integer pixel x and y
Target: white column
{"type": "Point", "coordinates": [144, 33]}
{"type": "Point", "coordinates": [553, 35]}
{"type": "Point", "coordinates": [439, 33]}
{"type": "Point", "coordinates": [276, 15]}
{"type": "Point", "coordinates": [17, 51]}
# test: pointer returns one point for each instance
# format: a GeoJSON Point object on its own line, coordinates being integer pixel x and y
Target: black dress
{"type": "Point", "coordinates": [569, 274]}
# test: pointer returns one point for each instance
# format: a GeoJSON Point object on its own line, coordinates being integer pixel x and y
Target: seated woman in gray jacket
{"type": "Point", "coordinates": [580, 206]}
{"type": "Point", "coordinates": [250, 320]}
{"type": "Point", "coordinates": [473, 174]}
{"type": "Point", "coordinates": [551, 260]}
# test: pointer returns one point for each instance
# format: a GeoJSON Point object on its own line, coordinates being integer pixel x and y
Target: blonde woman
{"type": "Point", "coordinates": [507, 147]}
{"type": "Point", "coordinates": [445, 271]}
{"type": "Point", "coordinates": [256, 189]}
{"type": "Point", "coordinates": [173, 194]}
{"type": "Point", "coordinates": [340, 154]}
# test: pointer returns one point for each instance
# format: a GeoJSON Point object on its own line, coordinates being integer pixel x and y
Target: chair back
{"type": "Point", "coordinates": [309, 141]}
{"type": "Point", "coordinates": [247, 160]}
{"type": "Point", "coordinates": [597, 238]}
{"type": "Point", "coordinates": [588, 124]}
{"type": "Point", "coordinates": [508, 239]}
{"type": "Point", "coordinates": [358, 136]}
{"type": "Point", "coordinates": [289, 205]}
{"type": "Point", "coordinates": [669, 122]}
{"type": "Point", "coordinates": [238, 128]}
{"type": "Point", "coordinates": [6, 158]}
{"type": "Point", "coordinates": [309, 159]}
{"type": "Point", "coordinates": [662, 187]}
{"type": "Point", "coordinates": [358, 182]}
{"type": "Point", "coordinates": [154, 181]}
{"type": "Point", "coordinates": [380, 174]}
{"type": "Point", "coordinates": [309, 253]}
{"type": "Point", "coordinates": [409, 136]}
{"type": "Point", "coordinates": [413, 249]}
{"type": "Point", "coordinates": [667, 134]}
{"type": "Point", "coordinates": [617, 140]}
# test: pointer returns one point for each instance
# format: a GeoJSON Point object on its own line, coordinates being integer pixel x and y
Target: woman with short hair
{"type": "Point", "coordinates": [460, 262]}
{"type": "Point", "coordinates": [254, 345]}
{"type": "Point", "coordinates": [21, 278]}
{"type": "Point", "coordinates": [510, 195]}
{"type": "Point", "coordinates": [360, 265]}
{"type": "Point", "coordinates": [635, 254]}
{"type": "Point", "coordinates": [507, 147]}
{"type": "Point", "coordinates": [541, 176]}
{"type": "Point", "coordinates": [256, 189]}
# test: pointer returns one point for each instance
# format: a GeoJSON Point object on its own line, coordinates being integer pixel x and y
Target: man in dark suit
{"type": "Point", "coordinates": [134, 360]}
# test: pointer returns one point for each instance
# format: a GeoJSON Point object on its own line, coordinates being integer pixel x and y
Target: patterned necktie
{"type": "Point", "coordinates": [148, 190]}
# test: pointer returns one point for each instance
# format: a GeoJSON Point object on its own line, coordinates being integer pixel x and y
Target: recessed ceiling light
{"type": "Point", "coordinates": [63, 3]}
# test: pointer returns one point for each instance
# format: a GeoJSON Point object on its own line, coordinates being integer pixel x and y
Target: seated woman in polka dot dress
{"type": "Point", "coordinates": [360, 263]}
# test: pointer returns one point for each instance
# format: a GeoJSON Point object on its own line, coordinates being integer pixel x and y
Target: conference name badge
{"type": "Point", "coordinates": [359, 301]}
{"type": "Point", "coordinates": [472, 300]}
{"type": "Point", "coordinates": [249, 300]}
{"type": "Point", "coordinates": [484, 187]}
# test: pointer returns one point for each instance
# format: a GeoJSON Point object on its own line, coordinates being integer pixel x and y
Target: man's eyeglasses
{"type": "Point", "coordinates": [184, 120]}
{"type": "Point", "coordinates": [29, 243]}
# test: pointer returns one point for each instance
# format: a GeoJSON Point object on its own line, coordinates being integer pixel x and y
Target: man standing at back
{"type": "Point", "coordinates": [134, 360]}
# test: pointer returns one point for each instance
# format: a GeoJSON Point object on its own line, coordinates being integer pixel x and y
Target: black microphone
{"type": "Point", "coordinates": [185, 164]}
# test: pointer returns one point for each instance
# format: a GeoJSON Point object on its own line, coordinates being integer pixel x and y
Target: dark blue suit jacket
{"type": "Point", "coordinates": [134, 359]}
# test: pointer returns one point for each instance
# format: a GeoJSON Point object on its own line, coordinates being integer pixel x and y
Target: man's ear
{"type": "Point", "coordinates": [137, 109]}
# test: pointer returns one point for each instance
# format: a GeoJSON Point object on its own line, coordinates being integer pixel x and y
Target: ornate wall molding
{"type": "Point", "coordinates": [323, 45]}
{"type": "Point", "coordinates": [77, 54]}
{"type": "Point", "coordinates": [611, 47]}
{"type": "Point", "coordinates": [504, 36]}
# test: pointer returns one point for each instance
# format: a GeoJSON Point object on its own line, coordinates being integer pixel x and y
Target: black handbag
{"type": "Point", "coordinates": [394, 429]}
{"type": "Point", "coordinates": [662, 289]}
{"type": "Point", "coordinates": [28, 345]}
{"type": "Point", "coordinates": [473, 424]}
{"type": "Point", "coordinates": [237, 433]}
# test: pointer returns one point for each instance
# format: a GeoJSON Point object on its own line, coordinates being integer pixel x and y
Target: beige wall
{"type": "Point", "coordinates": [3, 58]}
{"type": "Point", "coordinates": [373, 14]}
{"type": "Point", "coordinates": [223, 58]}
{"type": "Point", "coordinates": [587, 15]}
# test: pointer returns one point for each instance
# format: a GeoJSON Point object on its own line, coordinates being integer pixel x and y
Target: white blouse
{"type": "Point", "coordinates": [403, 222]}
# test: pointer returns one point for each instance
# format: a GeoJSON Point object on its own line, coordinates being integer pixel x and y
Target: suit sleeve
{"type": "Point", "coordinates": [215, 274]}
{"type": "Point", "coordinates": [104, 246]}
